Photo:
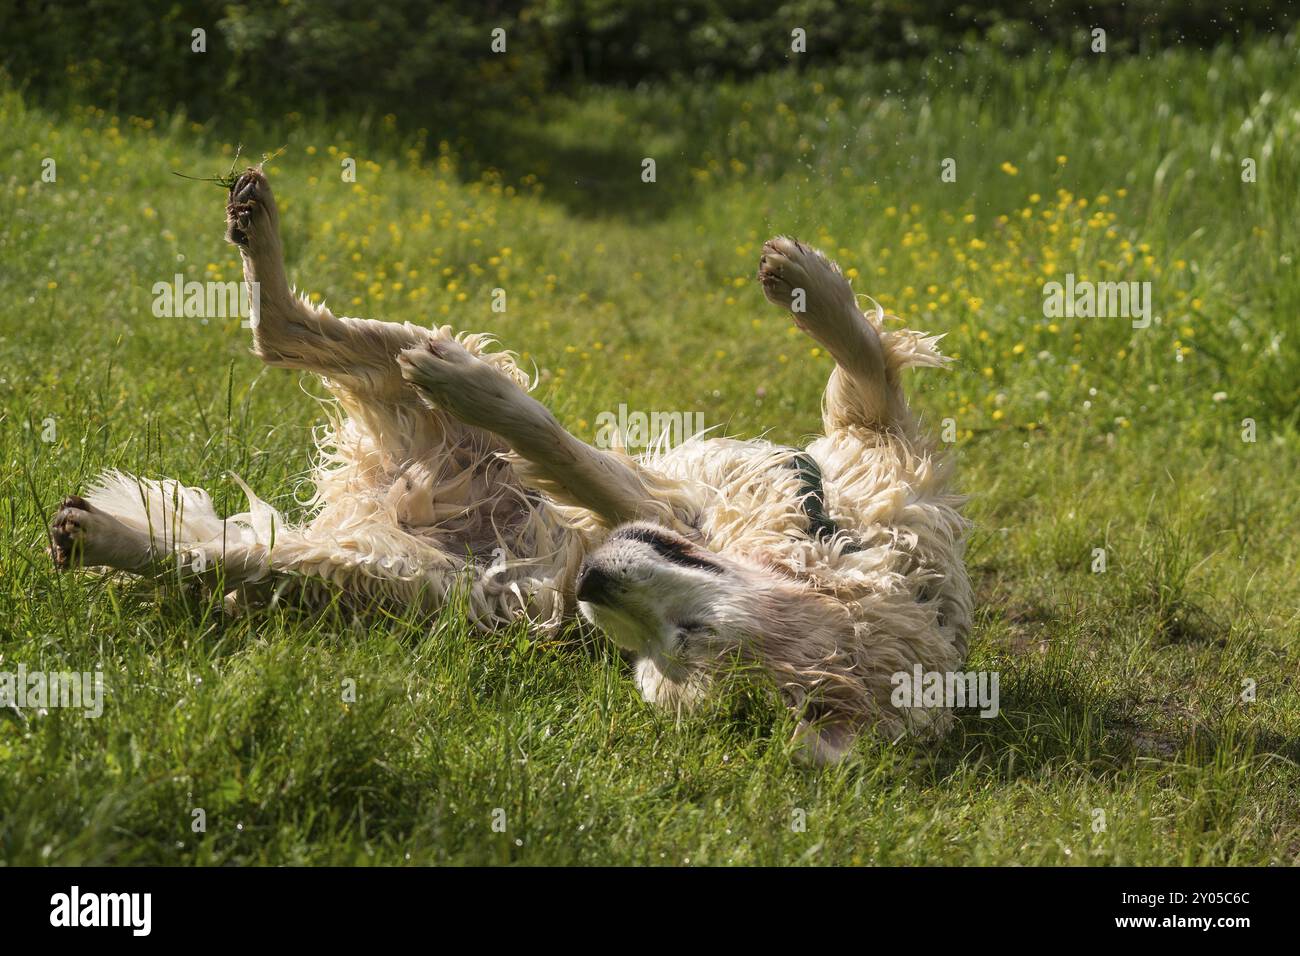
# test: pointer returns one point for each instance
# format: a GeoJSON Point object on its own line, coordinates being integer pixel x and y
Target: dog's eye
{"type": "Point", "coordinates": [687, 631]}
{"type": "Point", "coordinates": [670, 550]}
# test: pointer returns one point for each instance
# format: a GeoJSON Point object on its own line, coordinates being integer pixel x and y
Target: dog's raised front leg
{"type": "Point", "coordinates": [612, 486]}
{"type": "Point", "coordinates": [291, 332]}
{"type": "Point", "coordinates": [863, 389]}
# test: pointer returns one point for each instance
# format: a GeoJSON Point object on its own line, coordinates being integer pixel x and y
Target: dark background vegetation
{"type": "Point", "coordinates": [431, 61]}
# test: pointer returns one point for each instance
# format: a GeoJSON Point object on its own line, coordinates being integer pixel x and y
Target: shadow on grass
{"type": "Point", "coordinates": [591, 174]}
{"type": "Point", "coordinates": [590, 163]}
{"type": "Point", "coordinates": [1044, 727]}
{"type": "Point", "coordinates": [591, 179]}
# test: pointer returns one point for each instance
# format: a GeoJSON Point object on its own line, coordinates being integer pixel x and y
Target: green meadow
{"type": "Point", "coordinates": [1133, 490]}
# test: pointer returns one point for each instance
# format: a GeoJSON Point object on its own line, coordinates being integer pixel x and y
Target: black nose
{"type": "Point", "coordinates": [594, 585]}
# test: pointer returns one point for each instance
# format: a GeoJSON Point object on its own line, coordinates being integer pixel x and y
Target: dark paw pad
{"type": "Point", "coordinates": [66, 533]}
{"type": "Point", "coordinates": [245, 194]}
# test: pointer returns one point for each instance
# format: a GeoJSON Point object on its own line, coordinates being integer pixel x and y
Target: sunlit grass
{"type": "Point", "coordinates": [1120, 690]}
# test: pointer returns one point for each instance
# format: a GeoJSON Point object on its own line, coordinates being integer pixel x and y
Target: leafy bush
{"type": "Point", "coordinates": [435, 61]}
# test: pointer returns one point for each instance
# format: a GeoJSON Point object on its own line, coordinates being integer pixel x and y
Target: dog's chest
{"type": "Point", "coordinates": [750, 496]}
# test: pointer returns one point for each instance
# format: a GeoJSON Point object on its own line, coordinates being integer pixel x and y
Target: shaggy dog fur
{"type": "Point", "coordinates": [829, 569]}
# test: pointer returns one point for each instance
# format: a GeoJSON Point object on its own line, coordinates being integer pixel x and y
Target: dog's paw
{"type": "Point", "coordinates": [437, 365]}
{"type": "Point", "coordinates": [452, 378]}
{"type": "Point", "coordinates": [68, 532]}
{"type": "Point", "coordinates": [84, 536]}
{"type": "Point", "coordinates": [799, 278]}
{"type": "Point", "coordinates": [250, 207]}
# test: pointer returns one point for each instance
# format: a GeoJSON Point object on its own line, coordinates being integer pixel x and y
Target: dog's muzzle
{"type": "Point", "coordinates": [595, 586]}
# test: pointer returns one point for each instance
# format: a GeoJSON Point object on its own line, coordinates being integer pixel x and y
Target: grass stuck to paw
{"type": "Point", "coordinates": [1133, 486]}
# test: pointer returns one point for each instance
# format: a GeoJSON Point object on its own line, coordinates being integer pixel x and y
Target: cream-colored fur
{"type": "Point", "coordinates": [440, 473]}
{"type": "Point", "coordinates": [831, 619]}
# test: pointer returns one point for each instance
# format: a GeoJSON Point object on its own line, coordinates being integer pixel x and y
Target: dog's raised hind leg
{"type": "Point", "coordinates": [290, 332]}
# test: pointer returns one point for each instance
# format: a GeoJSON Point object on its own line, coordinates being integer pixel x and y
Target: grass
{"type": "Point", "coordinates": [1120, 690]}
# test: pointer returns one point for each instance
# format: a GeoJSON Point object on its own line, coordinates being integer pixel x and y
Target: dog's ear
{"type": "Point", "coordinates": [808, 646]}
{"type": "Point", "coordinates": [824, 741]}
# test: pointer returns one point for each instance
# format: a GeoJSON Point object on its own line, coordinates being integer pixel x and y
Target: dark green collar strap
{"type": "Point", "coordinates": [812, 498]}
